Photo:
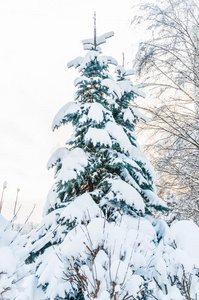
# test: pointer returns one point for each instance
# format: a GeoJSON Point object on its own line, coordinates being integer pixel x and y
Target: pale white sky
{"type": "Point", "coordinates": [38, 38]}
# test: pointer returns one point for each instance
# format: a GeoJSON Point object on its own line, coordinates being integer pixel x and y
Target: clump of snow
{"type": "Point", "coordinates": [122, 191]}
{"type": "Point", "coordinates": [98, 136]}
{"type": "Point", "coordinates": [141, 224]}
{"type": "Point", "coordinates": [138, 92]}
{"type": "Point", "coordinates": [125, 86]}
{"type": "Point", "coordinates": [75, 62]}
{"type": "Point", "coordinates": [51, 200]}
{"type": "Point", "coordinates": [72, 165]}
{"type": "Point", "coordinates": [112, 87]}
{"type": "Point", "coordinates": [118, 134]}
{"type": "Point", "coordinates": [80, 79]}
{"type": "Point", "coordinates": [59, 154]}
{"type": "Point", "coordinates": [94, 55]}
{"type": "Point", "coordinates": [153, 199]}
{"type": "Point", "coordinates": [99, 39]}
{"type": "Point", "coordinates": [5, 185]}
{"type": "Point", "coordinates": [185, 234]}
{"type": "Point", "coordinates": [96, 112]}
{"type": "Point", "coordinates": [130, 72]}
{"type": "Point", "coordinates": [29, 289]}
{"type": "Point", "coordinates": [120, 70]}
{"type": "Point", "coordinates": [83, 208]}
{"type": "Point", "coordinates": [127, 115]}
{"type": "Point", "coordinates": [69, 108]}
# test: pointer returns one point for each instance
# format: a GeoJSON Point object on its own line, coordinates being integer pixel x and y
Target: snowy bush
{"type": "Point", "coordinates": [109, 260]}
{"type": "Point", "coordinates": [177, 262]}
{"type": "Point", "coordinates": [12, 255]}
{"type": "Point", "coordinates": [124, 261]}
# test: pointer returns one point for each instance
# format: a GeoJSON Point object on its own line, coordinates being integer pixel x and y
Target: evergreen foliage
{"type": "Point", "coordinates": [101, 174]}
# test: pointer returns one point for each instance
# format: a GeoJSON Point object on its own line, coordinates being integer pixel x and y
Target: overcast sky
{"type": "Point", "coordinates": [38, 38]}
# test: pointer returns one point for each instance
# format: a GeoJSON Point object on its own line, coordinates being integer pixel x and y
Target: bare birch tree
{"type": "Point", "coordinates": [169, 64]}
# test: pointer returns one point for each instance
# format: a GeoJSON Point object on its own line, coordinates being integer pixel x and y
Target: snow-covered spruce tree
{"type": "Point", "coordinates": [104, 186]}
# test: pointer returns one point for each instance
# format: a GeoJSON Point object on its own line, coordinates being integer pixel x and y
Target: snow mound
{"type": "Point", "coordinates": [185, 234]}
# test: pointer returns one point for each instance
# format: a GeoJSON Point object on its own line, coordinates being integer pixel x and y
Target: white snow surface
{"type": "Point", "coordinates": [120, 69]}
{"type": "Point", "coordinates": [30, 290]}
{"type": "Point", "coordinates": [126, 84]}
{"type": "Point", "coordinates": [141, 224]}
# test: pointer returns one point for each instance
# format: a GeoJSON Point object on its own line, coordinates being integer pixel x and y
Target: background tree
{"type": "Point", "coordinates": [167, 62]}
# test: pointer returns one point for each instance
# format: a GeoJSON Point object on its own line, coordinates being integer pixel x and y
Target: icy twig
{"type": "Point", "coordinates": [16, 200]}
{"type": "Point", "coordinates": [4, 187]}
{"type": "Point", "coordinates": [28, 217]}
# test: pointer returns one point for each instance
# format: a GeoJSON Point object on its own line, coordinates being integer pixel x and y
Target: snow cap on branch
{"type": "Point", "coordinates": [89, 44]}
